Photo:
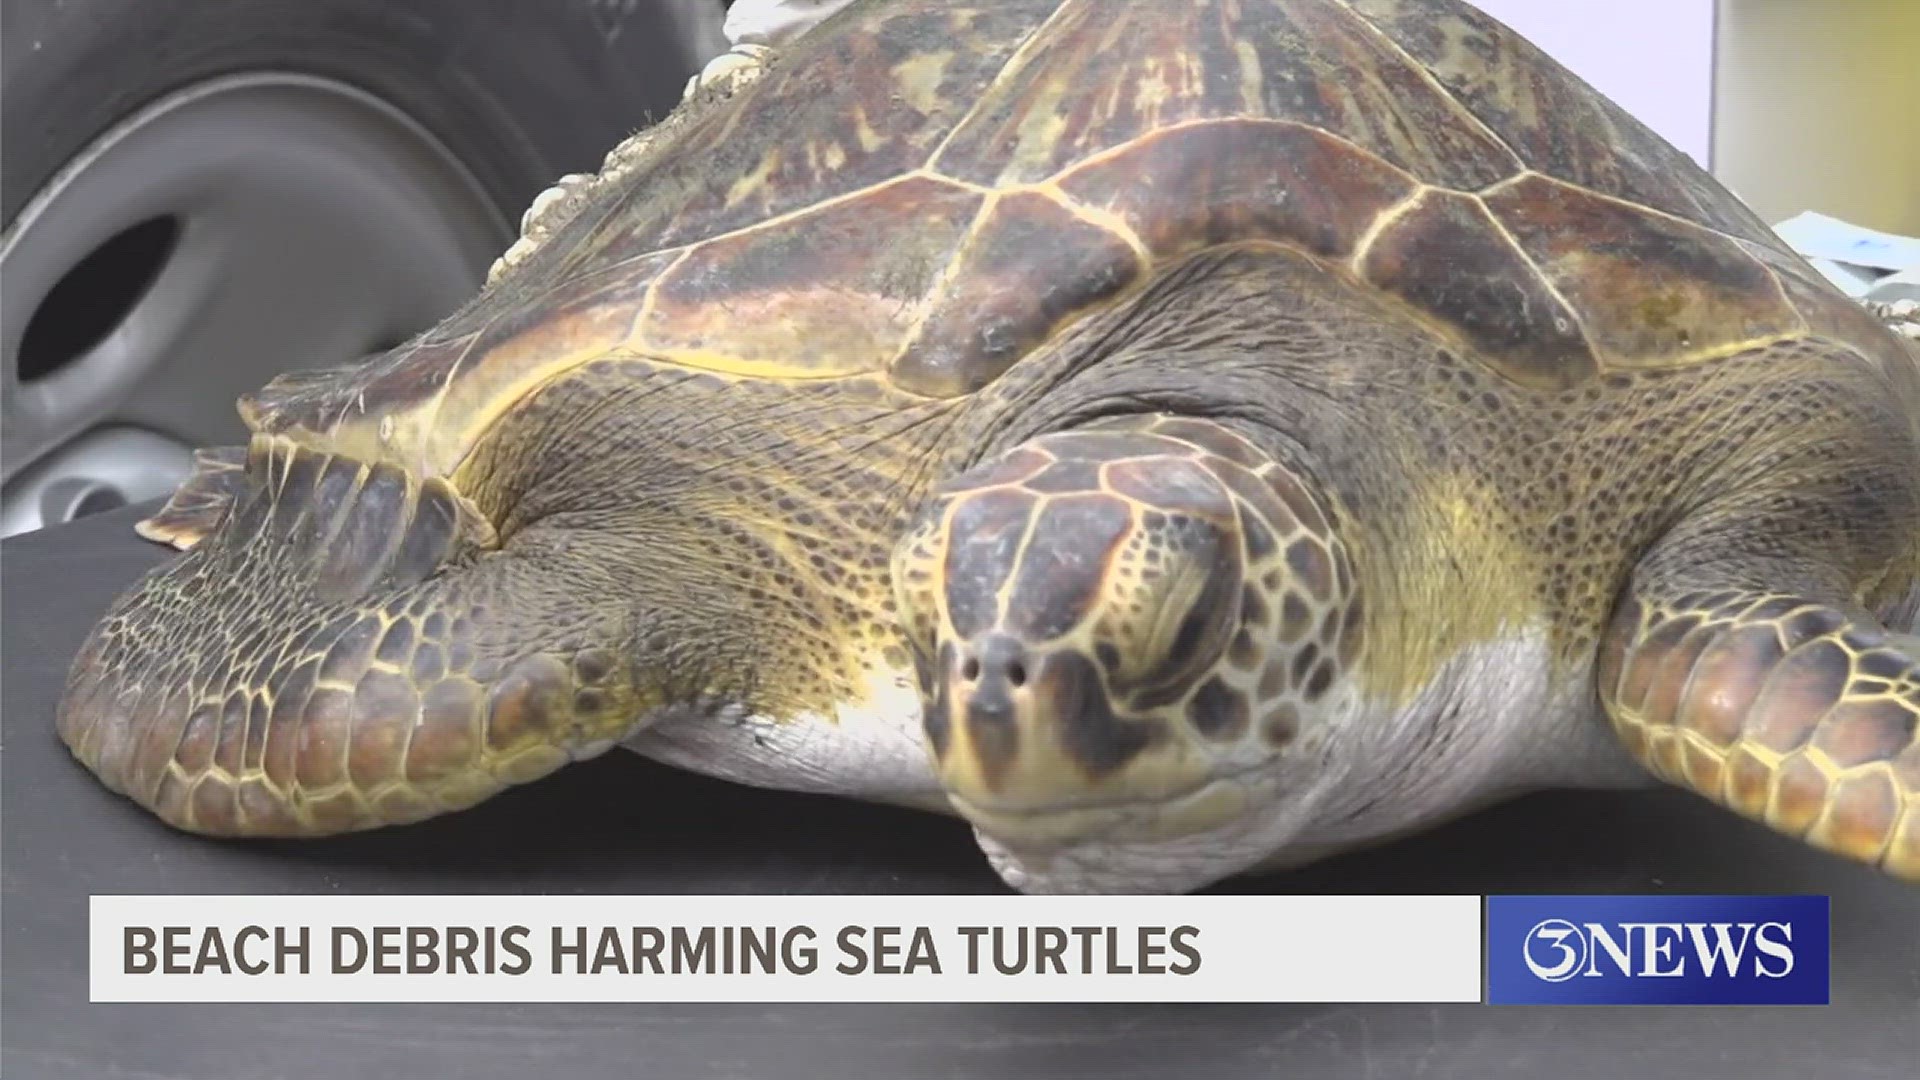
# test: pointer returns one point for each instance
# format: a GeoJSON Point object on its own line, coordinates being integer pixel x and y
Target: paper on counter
{"type": "Point", "coordinates": [1902, 286]}
{"type": "Point", "coordinates": [1818, 236]}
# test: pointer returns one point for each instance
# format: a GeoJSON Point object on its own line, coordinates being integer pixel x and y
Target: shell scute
{"type": "Point", "coordinates": [1241, 179]}
{"type": "Point", "coordinates": [833, 291]}
{"type": "Point", "coordinates": [1031, 263]}
{"type": "Point", "coordinates": [1825, 310]}
{"type": "Point", "coordinates": [1101, 75]}
{"type": "Point", "coordinates": [1447, 257]}
{"type": "Point", "coordinates": [581, 319]}
{"type": "Point", "coordinates": [1651, 290]}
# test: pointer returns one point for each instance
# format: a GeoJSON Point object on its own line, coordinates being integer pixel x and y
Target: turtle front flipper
{"type": "Point", "coordinates": [202, 500]}
{"type": "Point", "coordinates": [1799, 713]}
{"type": "Point", "coordinates": [350, 647]}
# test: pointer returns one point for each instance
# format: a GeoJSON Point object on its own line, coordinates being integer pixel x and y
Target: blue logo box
{"type": "Point", "coordinates": [1657, 950]}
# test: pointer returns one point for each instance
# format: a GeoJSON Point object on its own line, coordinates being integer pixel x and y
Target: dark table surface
{"type": "Point", "coordinates": [622, 825]}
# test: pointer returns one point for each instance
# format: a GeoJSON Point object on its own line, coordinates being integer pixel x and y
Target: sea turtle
{"type": "Point", "coordinates": [1177, 438]}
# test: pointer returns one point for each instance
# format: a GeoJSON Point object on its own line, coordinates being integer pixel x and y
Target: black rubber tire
{"type": "Point", "coordinates": [522, 91]}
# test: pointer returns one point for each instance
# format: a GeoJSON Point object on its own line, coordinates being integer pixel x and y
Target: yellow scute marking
{"type": "Point", "coordinates": [1041, 129]}
{"type": "Point", "coordinates": [870, 140]}
{"type": "Point", "coordinates": [746, 367]}
{"type": "Point", "coordinates": [806, 333]}
{"type": "Point", "coordinates": [919, 79]}
{"type": "Point", "coordinates": [444, 444]}
{"type": "Point", "coordinates": [745, 187]}
{"type": "Point", "coordinates": [1253, 86]}
{"type": "Point", "coordinates": [1151, 91]}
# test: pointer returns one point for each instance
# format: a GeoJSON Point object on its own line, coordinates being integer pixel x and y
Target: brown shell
{"type": "Point", "coordinates": [929, 190]}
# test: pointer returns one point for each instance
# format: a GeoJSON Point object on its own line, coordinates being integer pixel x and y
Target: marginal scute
{"type": "Point", "coordinates": [1239, 179]}
{"type": "Point", "coordinates": [579, 319]}
{"type": "Point", "coordinates": [345, 407]}
{"type": "Point", "coordinates": [1652, 291]}
{"type": "Point", "coordinates": [1031, 265]}
{"type": "Point", "coordinates": [1839, 318]}
{"type": "Point", "coordinates": [1447, 257]}
{"type": "Point", "coordinates": [833, 291]}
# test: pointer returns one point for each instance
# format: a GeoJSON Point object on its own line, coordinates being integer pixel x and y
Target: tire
{"type": "Point", "coordinates": [521, 91]}
{"type": "Point", "coordinates": [251, 186]}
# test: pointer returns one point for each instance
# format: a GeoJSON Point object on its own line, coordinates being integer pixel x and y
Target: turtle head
{"type": "Point", "coordinates": [1092, 618]}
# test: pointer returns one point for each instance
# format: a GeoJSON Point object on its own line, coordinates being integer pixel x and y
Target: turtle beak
{"type": "Point", "coordinates": [348, 649]}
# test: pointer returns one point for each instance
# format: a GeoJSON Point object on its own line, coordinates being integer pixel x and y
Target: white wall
{"type": "Point", "coordinates": [1819, 108]}
{"type": "Point", "coordinates": [1653, 57]}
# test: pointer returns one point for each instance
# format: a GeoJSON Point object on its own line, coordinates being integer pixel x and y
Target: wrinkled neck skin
{"type": "Point", "coordinates": [745, 525]}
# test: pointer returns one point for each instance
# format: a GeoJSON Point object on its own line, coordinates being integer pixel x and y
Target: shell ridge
{"type": "Point", "coordinates": [1060, 178]}
{"type": "Point", "coordinates": [1014, 62]}
{"type": "Point", "coordinates": [1426, 75]}
{"type": "Point", "coordinates": [1540, 274]}
{"type": "Point", "coordinates": [1095, 216]}
{"type": "Point", "coordinates": [431, 414]}
{"type": "Point", "coordinates": [1594, 193]}
{"type": "Point", "coordinates": [947, 274]}
{"type": "Point", "coordinates": [1382, 222]}
{"type": "Point", "coordinates": [637, 329]}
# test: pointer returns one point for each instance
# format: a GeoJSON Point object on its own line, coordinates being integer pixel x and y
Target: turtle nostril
{"type": "Point", "coordinates": [997, 661]}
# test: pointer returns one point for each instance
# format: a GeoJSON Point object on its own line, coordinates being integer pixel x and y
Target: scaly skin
{"type": "Point", "coordinates": [1791, 712]}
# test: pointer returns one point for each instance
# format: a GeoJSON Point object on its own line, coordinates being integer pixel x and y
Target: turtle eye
{"type": "Point", "coordinates": [1178, 605]}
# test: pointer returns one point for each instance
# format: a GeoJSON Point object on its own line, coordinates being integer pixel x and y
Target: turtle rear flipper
{"type": "Point", "coordinates": [202, 501]}
{"type": "Point", "coordinates": [1793, 711]}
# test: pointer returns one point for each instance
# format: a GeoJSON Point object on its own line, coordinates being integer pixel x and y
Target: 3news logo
{"type": "Point", "coordinates": [1657, 950]}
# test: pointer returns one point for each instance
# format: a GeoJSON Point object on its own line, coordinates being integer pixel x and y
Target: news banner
{"type": "Point", "coordinates": [1501, 950]}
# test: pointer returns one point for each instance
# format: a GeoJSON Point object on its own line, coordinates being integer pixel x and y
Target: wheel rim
{"type": "Point", "coordinates": [245, 226]}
